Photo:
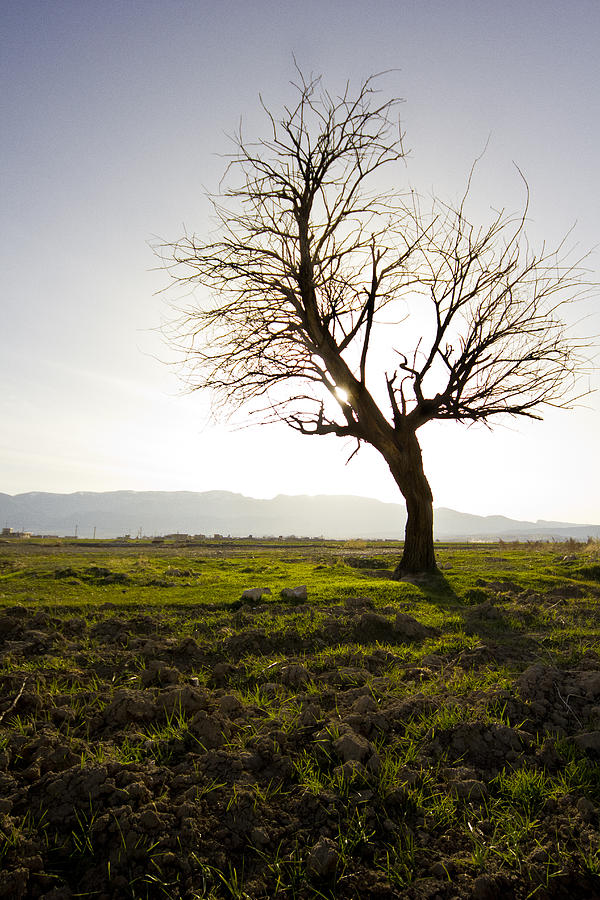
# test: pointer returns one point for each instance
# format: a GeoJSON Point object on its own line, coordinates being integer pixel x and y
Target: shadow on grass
{"type": "Point", "coordinates": [484, 619]}
{"type": "Point", "coordinates": [435, 588]}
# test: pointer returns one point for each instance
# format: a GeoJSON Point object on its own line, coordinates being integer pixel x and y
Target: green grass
{"type": "Point", "coordinates": [84, 622]}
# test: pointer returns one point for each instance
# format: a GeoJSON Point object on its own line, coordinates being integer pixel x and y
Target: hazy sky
{"type": "Point", "coordinates": [113, 118]}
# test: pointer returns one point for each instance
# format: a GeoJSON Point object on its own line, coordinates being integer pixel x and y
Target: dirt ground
{"type": "Point", "coordinates": [199, 753]}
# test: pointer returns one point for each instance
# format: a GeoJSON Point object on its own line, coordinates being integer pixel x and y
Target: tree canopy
{"type": "Point", "coordinates": [345, 308]}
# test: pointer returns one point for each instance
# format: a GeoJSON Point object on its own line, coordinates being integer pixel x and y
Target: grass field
{"type": "Point", "coordinates": [161, 738]}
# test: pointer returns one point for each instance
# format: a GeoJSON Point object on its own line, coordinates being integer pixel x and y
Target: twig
{"type": "Point", "coordinates": [577, 719]}
{"type": "Point", "coordinates": [15, 701]}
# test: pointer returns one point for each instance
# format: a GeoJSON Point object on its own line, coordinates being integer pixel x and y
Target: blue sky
{"type": "Point", "coordinates": [114, 118]}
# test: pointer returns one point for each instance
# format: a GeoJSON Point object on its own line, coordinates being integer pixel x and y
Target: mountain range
{"type": "Point", "coordinates": [113, 513]}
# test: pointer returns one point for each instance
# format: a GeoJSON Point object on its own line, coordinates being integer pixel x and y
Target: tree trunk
{"type": "Point", "coordinates": [406, 465]}
{"type": "Point", "coordinates": [418, 556]}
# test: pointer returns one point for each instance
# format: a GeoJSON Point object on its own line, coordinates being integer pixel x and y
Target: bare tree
{"type": "Point", "coordinates": [312, 278]}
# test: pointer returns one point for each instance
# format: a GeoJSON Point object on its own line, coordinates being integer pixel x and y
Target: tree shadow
{"type": "Point", "coordinates": [435, 587]}
{"type": "Point", "coordinates": [485, 620]}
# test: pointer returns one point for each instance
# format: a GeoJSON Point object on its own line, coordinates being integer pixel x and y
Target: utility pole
{"type": "Point", "coordinates": [94, 532]}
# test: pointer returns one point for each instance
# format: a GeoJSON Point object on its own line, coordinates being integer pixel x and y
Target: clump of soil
{"type": "Point", "coordinates": [196, 752]}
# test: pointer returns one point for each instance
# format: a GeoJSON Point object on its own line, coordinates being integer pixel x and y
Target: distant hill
{"type": "Point", "coordinates": [114, 513]}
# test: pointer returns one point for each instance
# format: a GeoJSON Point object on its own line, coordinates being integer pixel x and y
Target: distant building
{"type": "Point", "coordinates": [9, 532]}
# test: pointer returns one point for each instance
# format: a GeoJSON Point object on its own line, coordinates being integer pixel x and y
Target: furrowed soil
{"type": "Point", "coordinates": [159, 737]}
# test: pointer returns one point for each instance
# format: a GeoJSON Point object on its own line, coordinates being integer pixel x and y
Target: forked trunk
{"type": "Point", "coordinates": [407, 468]}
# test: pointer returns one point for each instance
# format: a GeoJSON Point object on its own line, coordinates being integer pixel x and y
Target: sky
{"type": "Point", "coordinates": [115, 121]}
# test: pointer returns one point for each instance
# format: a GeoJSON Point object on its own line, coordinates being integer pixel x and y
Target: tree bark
{"type": "Point", "coordinates": [406, 466]}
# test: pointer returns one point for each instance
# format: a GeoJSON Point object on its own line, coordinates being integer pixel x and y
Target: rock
{"type": "Point", "coordinates": [253, 595]}
{"type": "Point", "coordinates": [296, 594]}
{"type": "Point", "coordinates": [323, 859]}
